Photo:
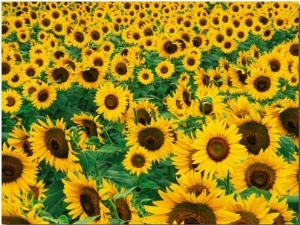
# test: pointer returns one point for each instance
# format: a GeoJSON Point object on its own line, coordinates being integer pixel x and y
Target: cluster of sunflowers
{"type": "Point", "coordinates": [150, 112]}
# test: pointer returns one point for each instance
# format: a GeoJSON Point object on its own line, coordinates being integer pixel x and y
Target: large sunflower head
{"type": "Point", "coordinates": [44, 96]}
{"type": "Point", "coordinates": [90, 76]}
{"type": "Point", "coordinates": [280, 206]}
{"type": "Point", "coordinates": [265, 171]}
{"type": "Point", "coordinates": [165, 69]}
{"type": "Point", "coordinates": [112, 101]}
{"type": "Point", "coordinates": [12, 101]}
{"type": "Point", "coordinates": [61, 76]}
{"type": "Point", "coordinates": [84, 199]}
{"type": "Point", "coordinates": [120, 68]}
{"type": "Point", "coordinates": [145, 76]}
{"type": "Point", "coordinates": [252, 210]}
{"type": "Point", "coordinates": [51, 141]}
{"type": "Point", "coordinates": [169, 48]}
{"type": "Point", "coordinates": [218, 148]}
{"type": "Point", "coordinates": [18, 170]}
{"type": "Point", "coordinates": [177, 207]}
{"type": "Point", "coordinates": [154, 137]}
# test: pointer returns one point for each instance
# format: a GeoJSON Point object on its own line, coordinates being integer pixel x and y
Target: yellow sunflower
{"type": "Point", "coordinates": [253, 210]}
{"type": "Point", "coordinates": [262, 84]}
{"type": "Point", "coordinates": [294, 177]}
{"type": "Point", "coordinates": [89, 76]}
{"type": "Point", "coordinates": [168, 47]}
{"type": "Point", "coordinates": [137, 161]}
{"type": "Point", "coordinates": [165, 69]}
{"type": "Point", "coordinates": [38, 190]}
{"type": "Point", "coordinates": [120, 68]}
{"type": "Point", "coordinates": [191, 61]}
{"type": "Point", "coordinates": [52, 142]}
{"type": "Point", "coordinates": [18, 171]}
{"type": "Point", "coordinates": [84, 199]}
{"type": "Point", "coordinates": [18, 138]}
{"type": "Point", "coordinates": [78, 37]}
{"type": "Point", "coordinates": [276, 206]}
{"type": "Point", "coordinates": [154, 137]}
{"type": "Point", "coordinates": [16, 210]}
{"type": "Point", "coordinates": [265, 171]}
{"type": "Point", "coordinates": [111, 101]}
{"type": "Point", "coordinates": [90, 128]}
{"type": "Point", "coordinates": [60, 76]}
{"type": "Point", "coordinates": [29, 87]}
{"type": "Point", "coordinates": [218, 148]}
{"type": "Point", "coordinates": [276, 62]}
{"type": "Point", "coordinates": [179, 207]}
{"type": "Point", "coordinates": [124, 207]}
{"type": "Point", "coordinates": [11, 101]}
{"type": "Point", "coordinates": [44, 96]}
{"type": "Point", "coordinates": [183, 152]}
{"type": "Point", "coordinates": [145, 76]}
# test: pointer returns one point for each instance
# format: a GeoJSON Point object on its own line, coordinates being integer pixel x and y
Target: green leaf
{"type": "Point", "coordinates": [109, 149]}
{"type": "Point", "coordinates": [87, 159]}
{"type": "Point", "coordinates": [149, 184]}
{"type": "Point", "coordinates": [124, 193]}
{"type": "Point", "coordinates": [287, 147]}
{"type": "Point", "coordinates": [291, 198]}
{"type": "Point", "coordinates": [63, 219]}
{"type": "Point", "coordinates": [93, 141]}
{"type": "Point", "coordinates": [87, 220]}
{"type": "Point", "coordinates": [254, 190]}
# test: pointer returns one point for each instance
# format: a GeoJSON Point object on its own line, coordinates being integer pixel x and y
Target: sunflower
{"type": "Point", "coordinates": [23, 35]}
{"type": "Point", "coordinates": [294, 177]}
{"type": "Point", "coordinates": [276, 62]}
{"type": "Point", "coordinates": [29, 87]}
{"type": "Point", "coordinates": [89, 76]}
{"type": "Point", "coordinates": [183, 152]}
{"type": "Point", "coordinates": [228, 45]}
{"type": "Point", "coordinates": [179, 207]}
{"type": "Point", "coordinates": [287, 119]}
{"type": "Point", "coordinates": [90, 127]}
{"type": "Point", "coordinates": [195, 182]}
{"type": "Point", "coordinates": [202, 79]}
{"type": "Point", "coordinates": [191, 61]}
{"type": "Point", "coordinates": [16, 210]}
{"type": "Point", "coordinates": [262, 84]}
{"type": "Point", "coordinates": [18, 138]}
{"type": "Point", "coordinates": [120, 68]}
{"type": "Point", "coordinates": [60, 76]}
{"type": "Point", "coordinates": [142, 111]}
{"type": "Point", "coordinates": [218, 148]}
{"type": "Point", "coordinates": [276, 206]}
{"type": "Point", "coordinates": [168, 47]}
{"type": "Point", "coordinates": [52, 142]}
{"type": "Point", "coordinates": [266, 171]}
{"type": "Point", "coordinates": [77, 37]}
{"type": "Point", "coordinates": [149, 43]}
{"type": "Point", "coordinates": [18, 171]}
{"type": "Point", "coordinates": [84, 199]}
{"type": "Point", "coordinates": [44, 96]}
{"type": "Point", "coordinates": [16, 80]}
{"type": "Point", "coordinates": [253, 210]}
{"type": "Point", "coordinates": [6, 28]}
{"type": "Point", "coordinates": [107, 47]}
{"type": "Point", "coordinates": [8, 69]}
{"type": "Point", "coordinates": [145, 76]}
{"type": "Point", "coordinates": [30, 70]}
{"type": "Point", "coordinates": [267, 34]}
{"type": "Point", "coordinates": [154, 137]}
{"type": "Point", "coordinates": [38, 190]}
{"type": "Point", "coordinates": [98, 60]}
{"type": "Point", "coordinates": [258, 133]}
{"type": "Point", "coordinates": [124, 207]}
{"type": "Point", "coordinates": [11, 101]}
{"type": "Point", "coordinates": [165, 69]}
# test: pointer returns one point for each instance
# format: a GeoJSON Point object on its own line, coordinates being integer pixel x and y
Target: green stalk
{"type": "Point", "coordinates": [113, 209]}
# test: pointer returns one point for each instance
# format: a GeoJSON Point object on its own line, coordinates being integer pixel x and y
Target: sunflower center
{"type": "Point", "coordinates": [30, 72]}
{"type": "Point", "coordinates": [190, 213]}
{"type": "Point", "coordinates": [12, 168]}
{"type": "Point", "coordinates": [208, 108]}
{"type": "Point", "coordinates": [197, 189]}
{"type": "Point", "coordinates": [27, 147]}
{"type": "Point", "coordinates": [164, 69]}
{"type": "Point", "coordinates": [262, 83]}
{"type": "Point", "coordinates": [151, 138]}
{"type": "Point", "coordinates": [60, 74]}
{"type": "Point", "coordinates": [4, 29]}
{"type": "Point", "coordinates": [111, 102]}
{"type": "Point", "coordinates": [98, 62]}
{"type": "Point", "coordinates": [247, 218]}
{"type": "Point", "coordinates": [242, 76]}
{"type": "Point", "coordinates": [5, 68]}
{"type": "Point", "coordinates": [95, 35]}
{"type": "Point", "coordinates": [186, 97]}
{"type": "Point", "coordinates": [79, 37]}
{"type": "Point", "coordinates": [143, 116]}
{"type": "Point", "coordinates": [121, 68]}
{"type": "Point", "coordinates": [91, 128]}
{"type": "Point", "coordinates": [169, 47]}
{"type": "Point", "coordinates": [227, 45]}
{"type": "Point", "coordinates": [31, 90]}
{"type": "Point", "coordinates": [279, 219]}
{"type": "Point", "coordinates": [275, 65]}
{"type": "Point", "coordinates": [294, 50]}
{"type": "Point", "coordinates": [123, 210]}
{"type": "Point", "coordinates": [191, 61]}
{"type": "Point", "coordinates": [290, 121]}
{"type": "Point", "coordinates": [89, 200]}
{"type": "Point", "coordinates": [145, 76]}
{"type": "Point", "coordinates": [90, 75]}
{"type": "Point", "coordinates": [35, 191]}
{"type": "Point", "coordinates": [10, 101]}
{"type": "Point", "coordinates": [138, 161]}
{"type": "Point", "coordinates": [15, 78]}
{"type": "Point", "coordinates": [13, 220]}
{"type": "Point", "coordinates": [56, 143]}
{"type": "Point", "coordinates": [255, 137]}
{"type": "Point", "coordinates": [218, 149]}
{"type": "Point", "coordinates": [197, 41]}
{"type": "Point", "coordinates": [260, 175]}
{"type": "Point", "coordinates": [43, 95]}
{"type": "Point", "coordinates": [46, 22]}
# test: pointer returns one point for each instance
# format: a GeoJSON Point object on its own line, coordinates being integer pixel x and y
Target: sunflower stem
{"type": "Point", "coordinates": [113, 209]}
{"type": "Point", "coordinates": [97, 172]}
{"type": "Point", "coordinates": [135, 117]}
{"type": "Point", "coordinates": [228, 184]}
{"type": "Point", "coordinates": [111, 142]}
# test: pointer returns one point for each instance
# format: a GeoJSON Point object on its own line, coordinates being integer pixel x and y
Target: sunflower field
{"type": "Point", "coordinates": [150, 112]}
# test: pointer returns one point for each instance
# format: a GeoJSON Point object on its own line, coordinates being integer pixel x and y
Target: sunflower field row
{"type": "Point", "coordinates": [150, 112]}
